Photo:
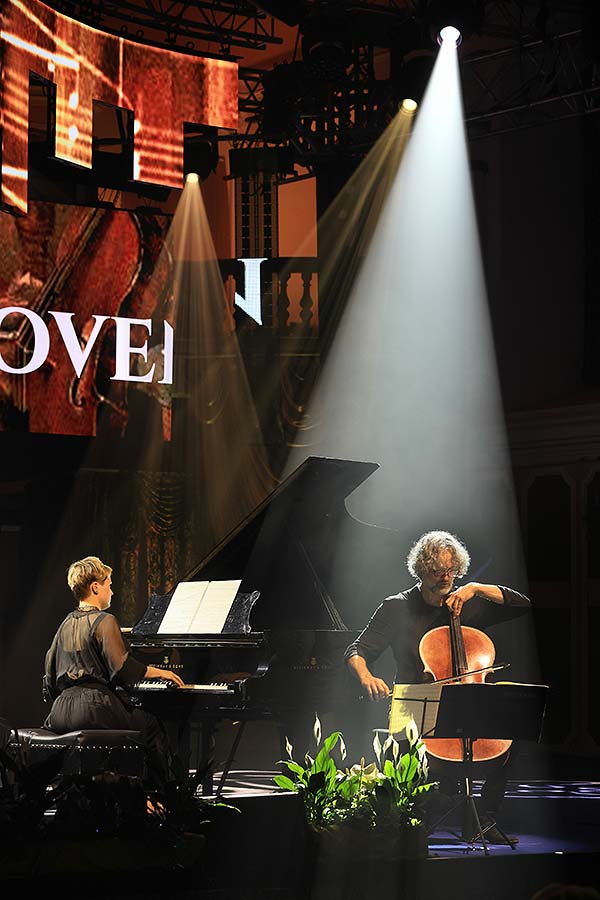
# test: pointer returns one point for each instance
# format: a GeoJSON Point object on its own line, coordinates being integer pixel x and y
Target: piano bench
{"type": "Point", "coordinates": [85, 752]}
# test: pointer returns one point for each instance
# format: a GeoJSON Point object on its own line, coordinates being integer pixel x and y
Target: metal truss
{"type": "Point", "coordinates": [532, 64]}
{"type": "Point", "coordinates": [530, 85]}
{"type": "Point", "coordinates": [536, 66]}
{"type": "Point", "coordinates": [329, 120]}
{"type": "Point", "coordinates": [225, 24]}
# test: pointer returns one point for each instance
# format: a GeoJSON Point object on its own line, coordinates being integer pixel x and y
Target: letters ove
{"type": "Point", "coordinates": [79, 354]}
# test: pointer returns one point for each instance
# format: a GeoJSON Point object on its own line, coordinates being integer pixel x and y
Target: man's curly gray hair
{"type": "Point", "coordinates": [424, 554]}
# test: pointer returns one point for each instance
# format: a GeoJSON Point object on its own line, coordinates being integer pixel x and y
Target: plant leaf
{"type": "Point", "coordinates": [286, 783]}
{"type": "Point", "coordinates": [389, 769]}
{"type": "Point", "coordinates": [294, 767]}
{"type": "Point", "coordinates": [316, 782]}
{"type": "Point", "coordinates": [288, 747]}
{"type": "Point", "coordinates": [425, 787]}
{"type": "Point", "coordinates": [330, 742]}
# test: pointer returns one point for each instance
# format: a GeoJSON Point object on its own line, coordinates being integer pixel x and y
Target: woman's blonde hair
{"type": "Point", "coordinates": [423, 555]}
{"type": "Point", "coordinates": [84, 572]}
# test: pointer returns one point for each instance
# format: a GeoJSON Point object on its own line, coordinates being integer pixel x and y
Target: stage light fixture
{"type": "Point", "coordinates": [326, 44]}
{"type": "Point", "coordinates": [466, 16]}
{"type": "Point", "coordinates": [200, 150]}
{"type": "Point", "coordinates": [192, 178]}
{"type": "Point", "coordinates": [449, 35]}
{"type": "Point", "coordinates": [408, 106]}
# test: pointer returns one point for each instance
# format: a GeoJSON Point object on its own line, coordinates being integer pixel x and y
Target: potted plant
{"type": "Point", "coordinates": [364, 819]}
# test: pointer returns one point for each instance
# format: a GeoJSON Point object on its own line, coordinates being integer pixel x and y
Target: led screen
{"type": "Point", "coordinates": [163, 89]}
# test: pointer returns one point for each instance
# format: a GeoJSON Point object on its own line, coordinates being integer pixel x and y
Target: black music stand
{"type": "Point", "coordinates": [495, 711]}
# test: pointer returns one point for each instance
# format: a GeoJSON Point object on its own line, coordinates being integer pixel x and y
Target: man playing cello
{"type": "Point", "coordinates": [400, 622]}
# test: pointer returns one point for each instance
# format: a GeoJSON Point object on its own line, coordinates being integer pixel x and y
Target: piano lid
{"type": "Point", "coordinates": [287, 548]}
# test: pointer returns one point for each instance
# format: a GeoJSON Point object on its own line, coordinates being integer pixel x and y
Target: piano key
{"type": "Point", "coordinates": [171, 686]}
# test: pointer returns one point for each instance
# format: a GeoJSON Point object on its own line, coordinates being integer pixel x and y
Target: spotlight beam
{"type": "Point", "coordinates": [410, 380]}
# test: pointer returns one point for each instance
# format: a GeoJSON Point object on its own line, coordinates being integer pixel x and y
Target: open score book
{"type": "Point", "coordinates": [199, 607]}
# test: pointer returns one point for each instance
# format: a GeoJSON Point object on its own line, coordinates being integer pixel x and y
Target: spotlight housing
{"type": "Point", "coordinates": [326, 44]}
{"type": "Point", "coordinates": [200, 150]}
{"type": "Point", "coordinates": [467, 16]}
{"type": "Point", "coordinates": [449, 35]}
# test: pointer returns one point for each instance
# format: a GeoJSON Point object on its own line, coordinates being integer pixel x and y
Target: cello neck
{"type": "Point", "coordinates": [459, 656]}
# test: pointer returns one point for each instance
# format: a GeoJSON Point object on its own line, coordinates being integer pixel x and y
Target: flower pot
{"type": "Point", "coordinates": [347, 861]}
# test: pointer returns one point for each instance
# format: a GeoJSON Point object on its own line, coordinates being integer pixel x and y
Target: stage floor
{"type": "Point", "coordinates": [557, 824]}
{"type": "Point", "coordinates": [262, 853]}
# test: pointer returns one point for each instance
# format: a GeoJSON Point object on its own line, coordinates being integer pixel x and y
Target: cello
{"type": "Point", "coordinates": [459, 653]}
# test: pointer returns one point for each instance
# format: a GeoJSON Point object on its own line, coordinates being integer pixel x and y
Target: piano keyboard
{"type": "Point", "coordinates": [197, 688]}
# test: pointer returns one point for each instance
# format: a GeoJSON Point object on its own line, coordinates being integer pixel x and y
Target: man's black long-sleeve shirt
{"type": "Point", "coordinates": [401, 621]}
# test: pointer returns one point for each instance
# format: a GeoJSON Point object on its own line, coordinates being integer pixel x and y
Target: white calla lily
{"type": "Point", "coordinates": [412, 732]}
{"type": "Point", "coordinates": [377, 747]}
{"type": "Point", "coordinates": [317, 730]}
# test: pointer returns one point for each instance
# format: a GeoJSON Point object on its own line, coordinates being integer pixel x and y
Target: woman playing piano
{"type": "Point", "coordinates": [88, 660]}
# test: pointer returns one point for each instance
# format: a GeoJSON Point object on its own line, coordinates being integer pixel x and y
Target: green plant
{"type": "Point", "coordinates": [398, 794]}
{"type": "Point", "coordinates": [373, 796]}
{"type": "Point", "coordinates": [319, 780]}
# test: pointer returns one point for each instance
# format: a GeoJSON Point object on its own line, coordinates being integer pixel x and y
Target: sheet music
{"type": "Point", "coordinates": [414, 701]}
{"type": "Point", "coordinates": [199, 607]}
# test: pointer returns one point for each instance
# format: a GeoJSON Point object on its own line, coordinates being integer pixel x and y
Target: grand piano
{"type": "Point", "coordinates": [310, 576]}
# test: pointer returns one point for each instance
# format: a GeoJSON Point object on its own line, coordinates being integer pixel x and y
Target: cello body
{"type": "Point", "coordinates": [448, 652]}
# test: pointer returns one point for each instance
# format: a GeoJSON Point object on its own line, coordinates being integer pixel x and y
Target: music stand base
{"type": "Point", "coordinates": [471, 815]}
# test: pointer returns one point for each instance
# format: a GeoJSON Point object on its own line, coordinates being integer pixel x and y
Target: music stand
{"type": "Point", "coordinates": [495, 711]}
{"type": "Point", "coordinates": [414, 701]}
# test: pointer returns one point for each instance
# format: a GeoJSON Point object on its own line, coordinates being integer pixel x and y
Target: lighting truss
{"type": "Point", "coordinates": [345, 118]}
{"type": "Point", "coordinates": [530, 85]}
{"type": "Point", "coordinates": [531, 65]}
{"type": "Point", "coordinates": [223, 25]}
{"type": "Point", "coordinates": [535, 66]}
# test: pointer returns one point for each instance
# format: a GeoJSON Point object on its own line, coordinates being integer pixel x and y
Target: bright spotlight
{"type": "Point", "coordinates": [192, 178]}
{"type": "Point", "coordinates": [449, 35]}
{"type": "Point", "coordinates": [408, 106]}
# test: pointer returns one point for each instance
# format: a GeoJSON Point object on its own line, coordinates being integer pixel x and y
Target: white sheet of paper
{"type": "Point", "coordinates": [199, 607]}
{"type": "Point", "coordinates": [214, 609]}
{"type": "Point", "coordinates": [408, 702]}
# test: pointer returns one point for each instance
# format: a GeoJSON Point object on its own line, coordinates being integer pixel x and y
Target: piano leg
{"type": "Point", "coordinates": [207, 755]}
{"type": "Point", "coordinates": [208, 730]}
{"type": "Point", "coordinates": [230, 757]}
